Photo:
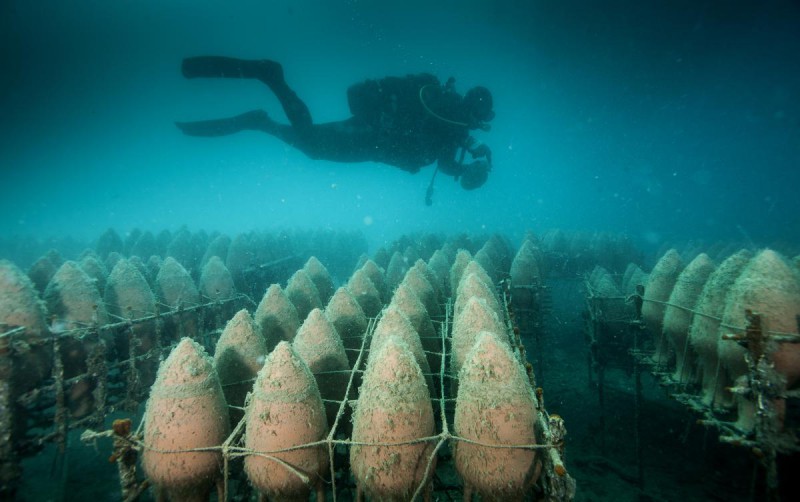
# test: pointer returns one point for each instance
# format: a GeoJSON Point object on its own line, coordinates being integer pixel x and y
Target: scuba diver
{"type": "Point", "coordinates": [407, 122]}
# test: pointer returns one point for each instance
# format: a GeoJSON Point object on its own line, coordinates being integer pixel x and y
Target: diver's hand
{"type": "Point", "coordinates": [482, 151]}
{"type": "Point", "coordinates": [474, 174]}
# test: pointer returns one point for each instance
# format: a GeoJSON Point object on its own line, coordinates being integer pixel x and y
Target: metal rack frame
{"type": "Point", "coordinates": [765, 385]}
{"type": "Point", "coordinates": [554, 485]}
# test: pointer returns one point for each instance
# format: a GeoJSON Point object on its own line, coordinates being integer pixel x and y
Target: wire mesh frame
{"type": "Point", "coordinates": [596, 313]}
{"type": "Point", "coordinates": [644, 357]}
{"type": "Point", "coordinates": [765, 385]}
{"type": "Point", "coordinates": [607, 327]}
{"type": "Point", "coordinates": [528, 318]}
{"type": "Point", "coordinates": [45, 407]}
{"type": "Point", "coordinates": [555, 483]}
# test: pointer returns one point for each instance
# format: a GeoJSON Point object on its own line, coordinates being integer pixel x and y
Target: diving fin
{"type": "Point", "coordinates": [256, 120]}
{"type": "Point", "coordinates": [224, 67]}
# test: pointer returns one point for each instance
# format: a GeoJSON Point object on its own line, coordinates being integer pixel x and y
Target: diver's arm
{"type": "Point", "coordinates": [451, 158]}
{"type": "Point", "coordinates": [449, 164]}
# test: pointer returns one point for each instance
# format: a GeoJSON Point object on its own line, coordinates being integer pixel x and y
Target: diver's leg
{"type": "Point", "coordinates": [265, 70]}
{"type": "Point", "coordinates": [294, 108]}
{"type": "Point", "coordinates": [343, 141]}
{"type": "Point", "coordinates": [256, 120]}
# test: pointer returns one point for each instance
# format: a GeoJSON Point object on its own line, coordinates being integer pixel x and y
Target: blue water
{"type": "Point", "coordinates": [665, 120]}
{"type": "Point", "coordinates": [669, 121]}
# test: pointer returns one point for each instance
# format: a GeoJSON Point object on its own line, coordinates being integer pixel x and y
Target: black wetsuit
{"type": "Point", "coordinates": [408, 122]}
